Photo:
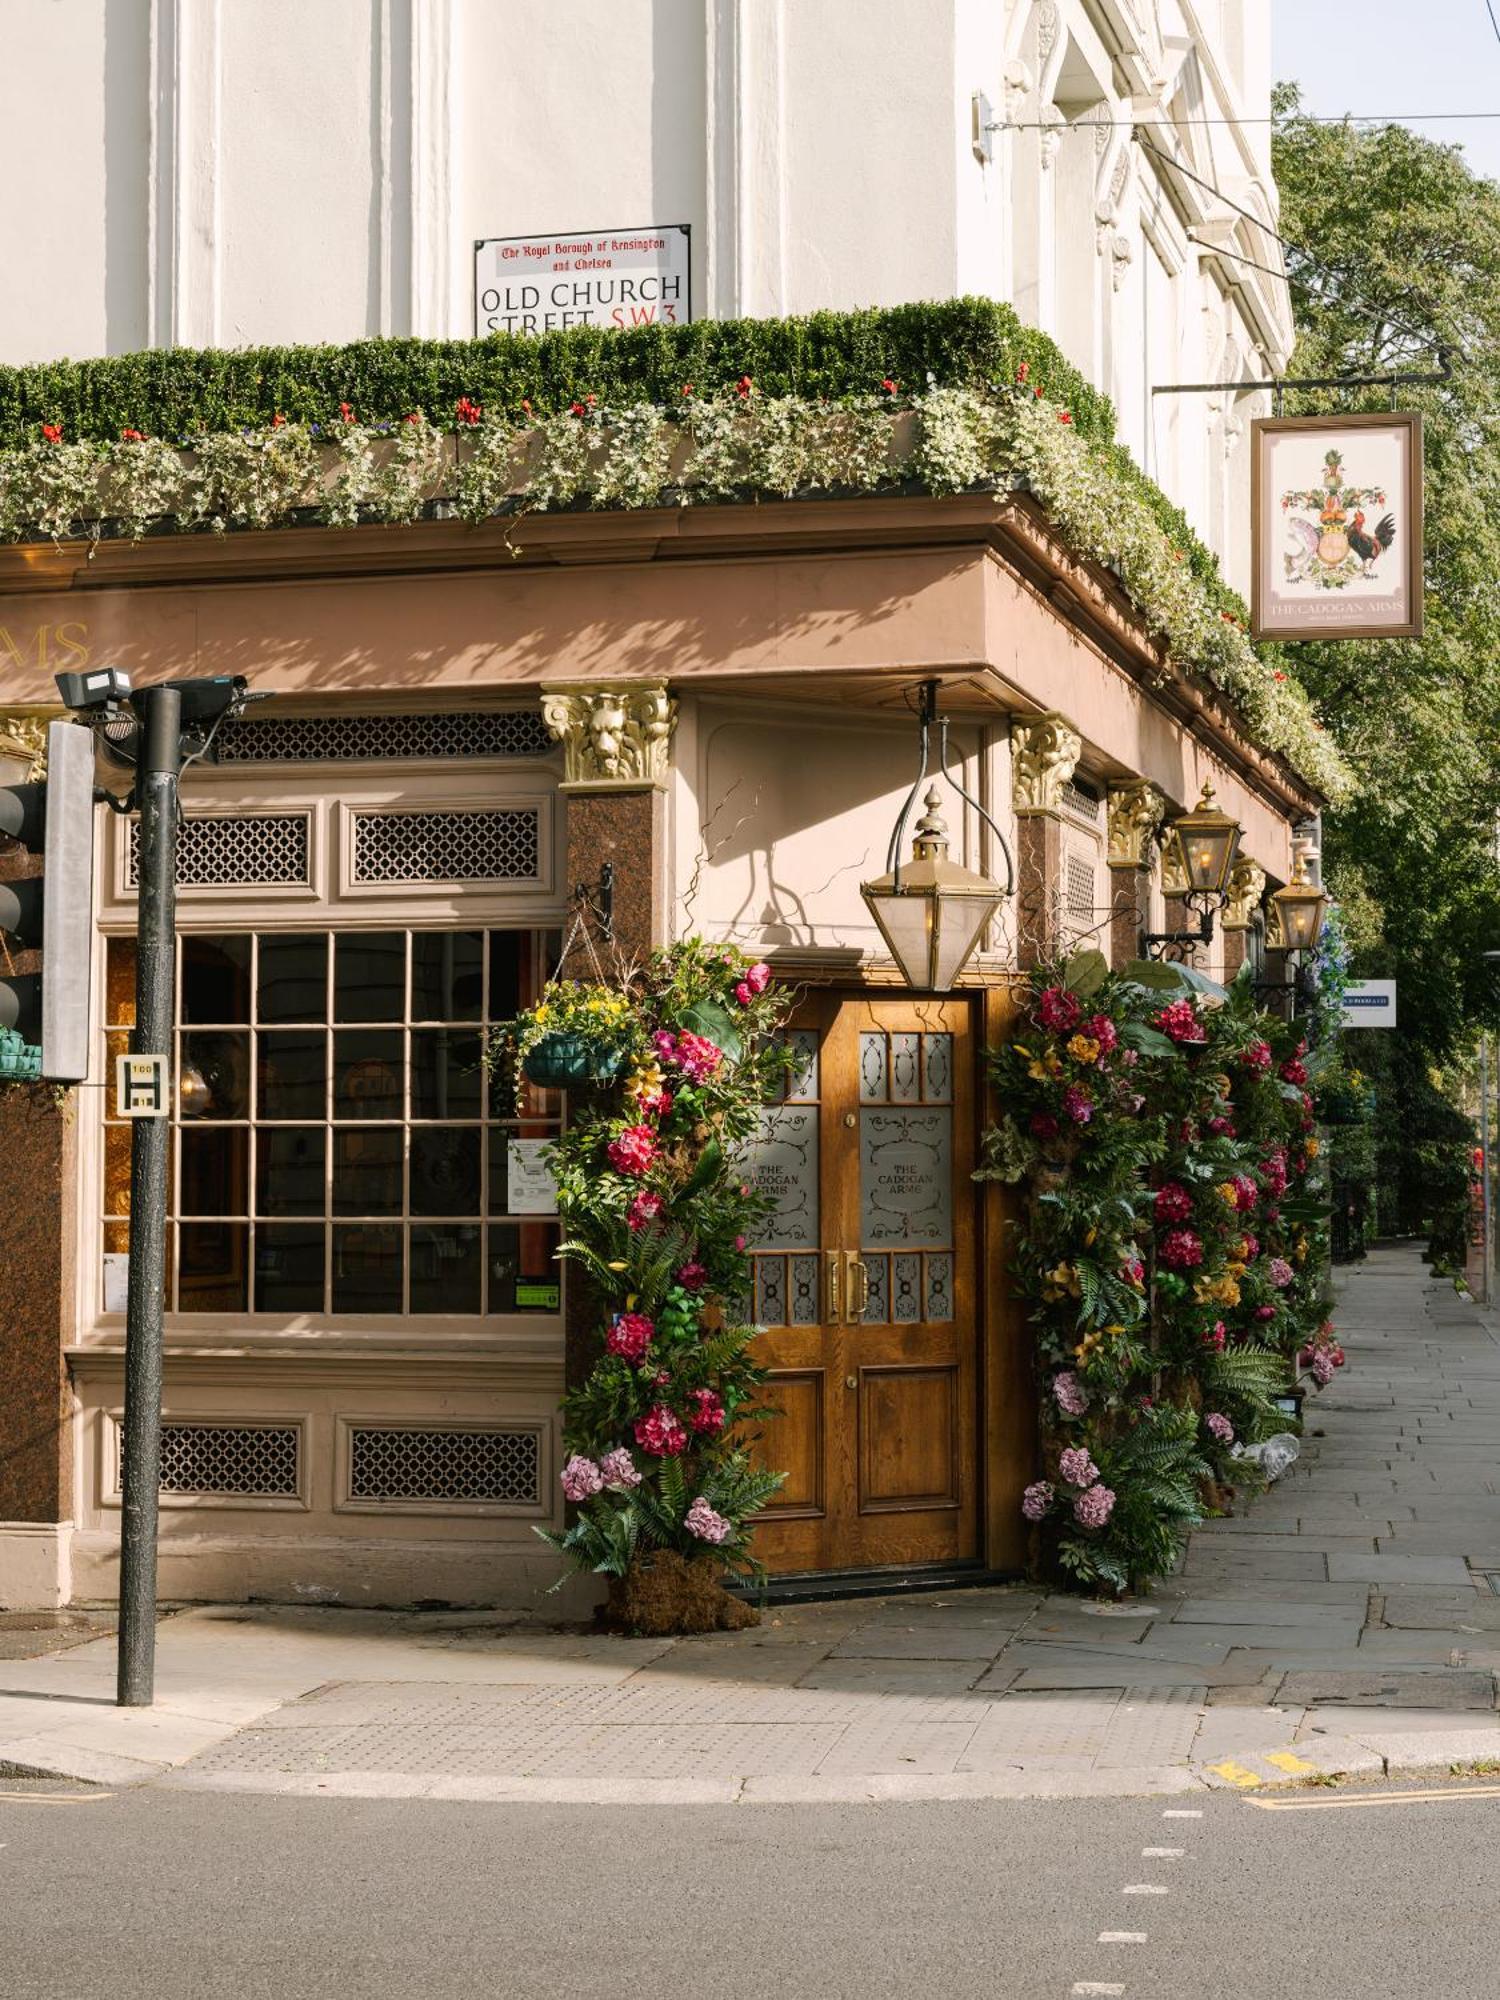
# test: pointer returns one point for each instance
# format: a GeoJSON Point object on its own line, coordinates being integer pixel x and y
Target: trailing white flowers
{"type": "Point", "coordinates": [733, 446]}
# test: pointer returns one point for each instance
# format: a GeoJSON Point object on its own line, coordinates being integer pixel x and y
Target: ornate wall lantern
{"type": "Point", "coordinates": [1300, 908]}
{"type": "Point", "coordinates": [932, 911]}
{"type": "Point", "coordinates": [1200, 849]}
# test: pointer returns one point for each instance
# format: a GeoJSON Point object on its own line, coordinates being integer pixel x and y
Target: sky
{"type": "Point", "coordinates": [1397, 56]}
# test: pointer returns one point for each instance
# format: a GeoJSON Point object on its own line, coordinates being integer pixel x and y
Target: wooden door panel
{"type": "Point", "coordinates": [793, 1441]}
{"type": "Point", "coordinates": [908, 1427]}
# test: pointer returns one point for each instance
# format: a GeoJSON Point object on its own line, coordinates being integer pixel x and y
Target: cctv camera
{"type": "Point", "coordinates": [101, 687]}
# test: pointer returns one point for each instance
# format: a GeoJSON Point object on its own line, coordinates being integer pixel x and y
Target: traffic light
{"type": "Point", "coordinates": [53, 911]}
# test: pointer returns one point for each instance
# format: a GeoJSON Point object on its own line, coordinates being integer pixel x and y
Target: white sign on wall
{"type": "Point", "coordinates": [530, 1188]}
{"type": "Point", "coordinates": [1370, 1003]}
{"type": "Point", "coordinates": [599, 277]}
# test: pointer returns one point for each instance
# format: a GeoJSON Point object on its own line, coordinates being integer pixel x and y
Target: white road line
{"type": "Point", "coordinates": [1122, 1937]}
{"type": "Point", "coordinates": [1144, 1889]}
{"type": "Point", "coordinates": [1178, 1813]}
{"type": "Point", "coordinates": [1162, 1853]}
{"type": "Point", "coordinates": [1094, 1986]}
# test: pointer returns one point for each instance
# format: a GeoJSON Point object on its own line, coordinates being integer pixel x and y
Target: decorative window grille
{"type": "Point", "coordinates": [1081, 799]}
{"type": "Point", "coordinates": [1078, 890]}
{"type": "Point", "coordinates": [495, 1466]}
{"type": "Point", "coordinates": [498, 846]}
{"type": "Point", "coordinates": [252, 1461]}
{"type": "Point", "coordinates": [215, 852]}
{"type": "Point", "coordinates": [383, 739]}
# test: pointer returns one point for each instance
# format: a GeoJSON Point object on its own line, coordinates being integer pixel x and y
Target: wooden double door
{"type": "Point", "coordinates": [865, 1286]}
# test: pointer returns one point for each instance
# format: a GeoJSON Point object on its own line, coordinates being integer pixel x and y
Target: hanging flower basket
{"type": "Point", "coordinates": [568, 1061]}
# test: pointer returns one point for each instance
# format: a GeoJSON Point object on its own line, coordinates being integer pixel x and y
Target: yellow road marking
{"type": "Point", "coordinates": [1285, 1761]}
{"type": "Point", "coordinates": [1377, 1799]}
{"type": "Point", "coordinates": [56, 1798]}
{"type": "Point", "coordinates": [1233, 1774]}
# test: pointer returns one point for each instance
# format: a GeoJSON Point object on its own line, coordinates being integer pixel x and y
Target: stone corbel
{"type": "Point", "coordinates": [1247, 884]}
{"type": "Point", "coordinates": [615, 739]}
{"type": "Point", "coordinates": [1044, 755]}
{"type": "Point", "coordinates": [23, 733]}
{"type": "Point", "coordinates": [1135, 812]}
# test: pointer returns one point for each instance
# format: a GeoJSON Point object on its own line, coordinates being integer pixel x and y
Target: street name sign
{"type": "Point", "coordinates": [1370, 1003]}
{"type": "Point", "coordinates": [591, 277]}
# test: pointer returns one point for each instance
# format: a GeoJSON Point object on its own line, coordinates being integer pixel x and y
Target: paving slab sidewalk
{"type": "Point", "coordinates": [1345, 1641]}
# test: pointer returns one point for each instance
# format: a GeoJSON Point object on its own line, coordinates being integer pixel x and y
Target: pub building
{"type": "Point", "coordinates": [367, 1331]}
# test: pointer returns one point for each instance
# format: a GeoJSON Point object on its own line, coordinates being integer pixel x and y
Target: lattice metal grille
{"type": "Point", "coordinates": [383, 739]}
{"type": "Point", "coordinates": [251, 1461]}
{"type": "Point", "coordinates": [1080, 889]}
{"type": "Point", "coordinates": [217, 853]}
{"type": "Point", "coordinates": [501, 846]}
{"type": "Point", "coordinates": [1082, 799]}
{"type": "Point", "coordinates": [457, 1465]}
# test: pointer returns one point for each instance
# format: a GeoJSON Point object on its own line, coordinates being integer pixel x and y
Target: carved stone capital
{"type": "Point", "coordinates": [1174, 876]}
{"type": "Point", "coordinates": [615, 739]}
{"type": "Point", "coordinates": [1247, 884]}
{"type": "Point", "coordinates": [1044, 753]}
{"type": "Point", "coordinates": [23, 733]}
{"type": "Point", "coordinates": [1135, 812]}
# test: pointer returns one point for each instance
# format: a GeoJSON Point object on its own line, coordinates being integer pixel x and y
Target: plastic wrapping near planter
{"type": "Point", "coordinates": [571, 1062]}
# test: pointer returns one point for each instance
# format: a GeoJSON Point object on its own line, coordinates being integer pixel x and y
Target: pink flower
{"type": "Point", "coordinates": [743, 994]}
{"type": "Point", "coordinates": [1257, 1057]}
{"type": "Point", "coordinates": [697, 1057]}
{"type": "Point", "coordinates": [1219, 1427]}
{"type": "Point", "coordinates": [1181, 1249]}
{"type": "Point", "coordinates": [707, 1414]}
{"type": "Point", "coordinates": [1093, 1508]}
{"type": "Point", "coordinates": [1078, 1104]}
{"type": "Point", "coordinates": [701, 1520]}
{"type": "Point", "coordinates": [1215, 1336]}
{"type": "Point", "coordinates": [1133, 1271]}
{"type": "Point", "coordinates": [661, 1433]}
{"type": "Point", "coordinates": [1322, 1367]}
{"type": "Point", "coordinates": [1246, 1193]}
{"type": "Point", "coordinates": [1101, 1029]}
{"type": "Point", "coordinates": [1281, 1273]}
{"type": "Point", "coordinates": [1072, 1397]}
{"type": "Point", "coordinates": [1036, 1501]}
{"type": "Point", "coordinates": [1059, 1010]}
{"type": "Point", "coordinates": [644, 1209]}
{"type": "Point", "coordinates": [1263, 1313]}
{"type": "Point", "coordinates": [1250, 1247]}
{"type": "Point", "coordinates": [1077, 1467]}
{"type": "Point", "coordinates": [1273, 1172]}
{"type": "Point", "coordinates": [581, 1479]}
{"type": "Point", "coordinates": [1129, 1058]}
{"type": "Point", "coordinates": [739, 1242]}
{"type": "Point", "coordinates": [665, 1044]}
{"type": "Point", "coordinates": [1173, 1203]}
{"type": "Point", "coordinates": [1043, 1125]}
{"type": "Point", "coordinates": [758, 978]}
{"type": "Point", "coordinates": [1180, 1022]}
{"type": "Point", "coordinates": [617, 1469]}
{"type": "Point", "coordinates": [1293, 1071]}
{"type": "Point", "coordinates": [693, 1276]}
{"type": "Point", "coordinates": [633, 1150]}
{"type": "Point", "coordinates": [1221, 1127]}
{"type": "Point", "coordinates": [630, 1336]}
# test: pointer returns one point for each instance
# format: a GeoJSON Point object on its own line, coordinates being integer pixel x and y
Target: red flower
{"type": "Point", "coordinates": [708, 1413]}
{"type": "Point", "coordinates": [633, 1150]}
{"type": "Point", "coordinates": [467, 412]}
{"type": "Point", "coordinates": [278, 421]}
{"type": "Point", "coordinates": [577, 410]}
{"type": "Point", "coordinates": [412, 417]}
{"type": "Point", "coordinates": [644, 1209]}
{"type": "Point", "coordinates": [1257, 1057]}
{"type": "Point", "coordinates": [745, 386]}
{"type": "Point", "coordinates": [1043, 1125]}
{"type": "Point", "coordinates": [1293, 1071]}
{"type": "Point", "coordinates": [1065, 416]}
{"type": "Point", "coordinates": [52, 433]}
{"type": "Point", "coordinates": [1181, 1249]}
{"type": "Point", "coordinates": [693, 1276]}
{"type": "Point", "coordinates": [1037, 393]}
{"type": "Point", "coordinates": [1059, 1010]}
{"type": "Point", "coordinates": [133, 437]}
{"type": "Point", "coordinates": [888, 385]}
{"type": "Point", "coordinates": [1173, 1203]}
{"type": "Point", "coordinates": [660, 1432]}
{"type": "Point", "coordinates": [526, 405]}
{"type": "Point", "coordinates": [346, 411]}
{"type": "Point", "coordinates": [1101, 1029]}
{"type": "Point", "coordinates": [687, 389]}
{"type": "Point", "coordinates": [1180, 1022]}
{"type": "Point", "coordinates": [1023, 371]}
{"type": "Point", "coordinates": [630, 1336]}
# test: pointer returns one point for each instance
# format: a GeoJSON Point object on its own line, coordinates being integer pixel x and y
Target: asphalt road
{"type": "Point", "coordinates": [155, 1895]}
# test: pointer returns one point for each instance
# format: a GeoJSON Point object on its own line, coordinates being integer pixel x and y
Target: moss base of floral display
{"type": "Point", "coordinates": [665, 1594]}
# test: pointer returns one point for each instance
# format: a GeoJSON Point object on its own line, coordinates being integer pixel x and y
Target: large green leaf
{"type": "Point", "coordinates": [715, 1024]}
{"type": "Point", "coordinates": [1085, 972]}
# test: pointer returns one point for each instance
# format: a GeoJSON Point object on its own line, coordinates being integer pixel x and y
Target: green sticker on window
{"type": "Point", "coordinates": [543, 1298]}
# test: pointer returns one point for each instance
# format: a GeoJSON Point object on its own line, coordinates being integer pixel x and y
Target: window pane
{"type": "Point", "coordinates": [367, 1270]}
{"type": "Point", "coordinates": [289, 1267]}
{"type": "Point", "coordinates": [216, 979]}
{"type": "Point", "coordinates": [445, 1170]}
{"type": "Point", "coordinates": [524, 1275]}
{"type": "Point", "coordinates": [292, 979]}
{"type": "Point", "coordinates": [447, 975]}
{"type": "Point", "coordinates": [119, 984]}
{"type": "Point", "coordinates": [116, 1169]}
{"type": "Point", "coordinates": [369, 977]}
{"type": "Point", "coordinates": [289, 1170]}
{"type": "Point", "coordinates": [213, 1076]}
{"type": "Point", "coordinates": [447, 1074]}
{"type": "Point", "coordinates": [212, 1266]}
{"type": "Point", "coordinates": [293, 1080]}
{"type": "Point", "coordinates": [367, 1073]}
{"type": "Point", "coordinates": [445, 1267]}
{"type": "Point", "coordinates": [367, 1171]}
{"type": "Point", "coordinates": [214, 1170]}
{"type": "Point", "coordinates": [511, 953]}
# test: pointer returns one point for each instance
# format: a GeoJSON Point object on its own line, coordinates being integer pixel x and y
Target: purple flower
{"type": "Point", "coordinates": [1036, 1501]}
{"type": "Point", "coordinates": [617, 1469]}
{"type": "Point", "coordinates": [1093, 1509]}
{"type": "Point", "coordinates": [581, 1479]}
{"type": "Point", "coordinates": [1078, 1104]}
{"type": "Point", "coordinates": [1072, 1397]}
{"type": "Point", "coordinates": [1220, 1427]}
{"type": "Point", "coordinates": [1281, 1273]}
{"type": "Point", "coordinates": [701, 1520]}
{"type": "Point", "coordinates": [1077, 1467]}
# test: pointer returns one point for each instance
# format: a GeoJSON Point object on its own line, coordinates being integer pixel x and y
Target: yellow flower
{"type": "Point", "coordinates": [1037, 1072]}
{"type": "Point", "coordinates": [1312, 1146]}
{"type": "Point", "coordinates": [1084, 1049]}
{"type": "Point", "coordinates": [1225, 1192]}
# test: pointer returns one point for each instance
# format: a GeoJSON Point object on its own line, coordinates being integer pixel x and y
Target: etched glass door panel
{"type": "Point", "coordinates": [782, 1162]}
{"type": "Point", "coordinates": [906, 1176]}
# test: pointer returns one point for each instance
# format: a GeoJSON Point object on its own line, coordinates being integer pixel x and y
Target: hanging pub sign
{"type": "Point", "coordinates": [593, 277]}
{"type": "Point", "coordinates": [1336, 527]}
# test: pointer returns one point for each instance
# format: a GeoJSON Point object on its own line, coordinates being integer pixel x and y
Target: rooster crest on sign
{"type": "Point", "coordinates": [1329, 543]}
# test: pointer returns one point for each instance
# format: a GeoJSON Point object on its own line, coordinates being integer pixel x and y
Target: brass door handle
{"type": "Point", "coordinates": [834, 1276]}
{"type": "Point", "coordinates": [856, 1288]}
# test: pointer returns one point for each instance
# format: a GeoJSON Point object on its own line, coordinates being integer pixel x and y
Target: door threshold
{"type": "Point", "coordinates": [823, 1586]}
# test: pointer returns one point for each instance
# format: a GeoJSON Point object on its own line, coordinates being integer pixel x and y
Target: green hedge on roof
{"type": "Point", "coordinates": [171, 392]}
